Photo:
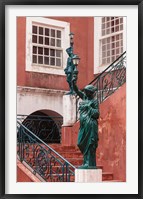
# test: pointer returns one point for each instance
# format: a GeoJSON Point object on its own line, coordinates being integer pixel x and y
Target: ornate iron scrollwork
{"type": "Point", "coordinates": [45, 127]}
{"type": "Point", "coordinates": [46, 162]}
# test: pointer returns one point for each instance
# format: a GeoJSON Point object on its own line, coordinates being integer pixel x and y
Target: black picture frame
{"type": "Point", "coordinates": [3, 3]}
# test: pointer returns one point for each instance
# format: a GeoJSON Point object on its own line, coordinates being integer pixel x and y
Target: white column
{"type": "Point", "coordinates": [88, 175]}
{"type": "Point", "coordinates": [69, 110]}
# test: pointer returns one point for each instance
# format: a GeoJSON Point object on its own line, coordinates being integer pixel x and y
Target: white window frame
{"type": "Point", "coordinates": [97, 37]}
{"type": "Point", "coordinates": [65, 28]}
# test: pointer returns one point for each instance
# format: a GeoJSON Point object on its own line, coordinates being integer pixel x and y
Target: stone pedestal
{"type": "Point", "coordinates": [88, 175]}
{"type": "Point", "coordinates": [69, 110]}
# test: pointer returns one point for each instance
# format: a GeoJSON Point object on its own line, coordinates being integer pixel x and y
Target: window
{"type": "Point", "coordinates": [111, 46]}
{"type": "Point", "coordinates": [110, 40]}
{"type": "Point", "coordinates": [46, 46]}
{"type": "Point", "coordinates": [47, 40]}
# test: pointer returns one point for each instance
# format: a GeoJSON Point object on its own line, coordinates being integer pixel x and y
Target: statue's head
{"type": "Point", "coordinates": [90, 90]}
{"type": "Point", "coordinates": [69, 50]}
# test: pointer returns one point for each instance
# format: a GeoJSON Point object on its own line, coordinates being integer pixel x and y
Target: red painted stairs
{"type": "Point", "coordinates": [74, 156]}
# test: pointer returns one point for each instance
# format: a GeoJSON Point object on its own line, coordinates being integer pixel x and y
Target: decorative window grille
{"type": "Point", "coordinates": [111, 42]}
{"type": "Point", "coordinates": [46, 46]}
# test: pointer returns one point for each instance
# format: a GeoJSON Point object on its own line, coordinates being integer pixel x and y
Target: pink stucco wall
{"type": "Point", "coordinates": [112, 134]}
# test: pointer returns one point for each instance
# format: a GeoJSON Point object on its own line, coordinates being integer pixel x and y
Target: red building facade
{"type": "Point", "coordinates": [41, 82]}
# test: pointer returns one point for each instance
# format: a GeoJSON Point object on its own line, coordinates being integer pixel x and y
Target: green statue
{"type": "Point", "coordinates": [70, 69]}
{"type": "Point", "coordinates": [88, 132]}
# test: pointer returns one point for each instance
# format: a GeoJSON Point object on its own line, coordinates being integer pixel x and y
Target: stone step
{"type": "Point", "coordinates": [75, 161]}
{"type": "Point", "coordinates": [60, 148]}
{"type": "Point", "coordinates": [74, 156]}
{"type": "Point", "coordinates": [112, 181]}
{"type": "Point", "coordinates": [106, 176]}
{"type": "Point", "coordinates": [71, 154]}
{"type": "Point", "coordinates": [98, 166]}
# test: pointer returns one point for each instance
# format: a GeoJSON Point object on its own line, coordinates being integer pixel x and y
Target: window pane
{"type": "Point", "coordinates": [121, 50]}
{"type": "Point", "coordinates": [34, 39]}
{"type": "Point", "coordinates": [103, 41]}
{"type": "Point", "coordinates": [117, 44]}
{"type": "Point", "coordinates": [108, 40]}
{"type": "Point", "coordinates": [121, 20]}
{"type": "Point", "coordinates": [113, 52]}
{"type": "Point", "coordinates": [121, 27]}
{"type": "Point", "coordinates": [103, 26]}
{"type": "Point", "coordinates": [117, 22]}
{"type": "Point", "coordinates": [58, 34]}
{"type": "Point", "coordinates": [108, 31]}
{"type": "Point", "coordinates": [108, 25]}
{"type": "Point", "coordinates": [112, 30]}
{"type": "Point", "coordinates": [47, 31]}
{"type": "Point", "coordinates": [40, 50]}
{"type": "Point", "coordinates": [108, 46]}
{"type": "Point", "coordinates": [108, 18]}
{"type": "Point", "coordinates": [103, 48]}
{"type": "Point", "coordinates": [113, 58]}
{"type": "Point", "coordinates": [40, 59]}
{"type": "Point", "coordinates": [58, 53]}
{"type": "Point", "coordinates": [117, 51]}
{"type": "Point", "coordinates": [103, 19]}
{"type": "Point", "coordinates": [58, 62]}
{"type": "Point", "coordinates": [116, 28]}
{"type": "Point", "coordinates": [46, 41]}
{"type": "Point", "coordinates": [113, 38]}
{"type": "Point", "coordinates": [108, 60]}
{"type": "Point", "coordinates": [52, 33]}
{"type": "Point", "coordinates": [46, 60]}
{"type": "Point", "coordinates": [52, 61]}
{"type": "Point", "coordinates": [112, 23]}
{"type": "Point", "coordinates": [108, 53]}
{"type": "Point", "coordinates": [34, 29]}
{"type": "Point", "coordinates": [103, 54]}
{"type": "Point", "coordinates": [117, 37]}
{"type": "Point", "coordinates": [40, 40]}
{"type": "Point", "coordinates": [104, 61]}
{"type": "Point", "coordinates": [34, 49]}
{"type": "Point", "coordinates": [34, 59]}
{"type": "Point", "coordinates": [121, 42]}
{"type": "Point", "coordinates": [58, 43]}
{"type": "Point", "coordinates": [52, 52]}
{"type": "Point", "coordinates": [40, 30]}
{"type": "Point", "coordinates": [52, 42]}
{"type": "Point", "coordinates": [103, 32]}
{"type": "Point", "coordinates": [113, 45]}
{"type": "Point", "coordinates": [46, 51]}
{"type": "Point", "coordinates": [117, 56]}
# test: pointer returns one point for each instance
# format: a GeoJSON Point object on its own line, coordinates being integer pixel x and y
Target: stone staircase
{"type": "Point", "coordinates": [74, 156]}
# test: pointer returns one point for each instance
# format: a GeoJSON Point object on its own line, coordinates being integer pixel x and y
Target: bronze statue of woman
{"type": "Point", "coordinates": [88, 132]}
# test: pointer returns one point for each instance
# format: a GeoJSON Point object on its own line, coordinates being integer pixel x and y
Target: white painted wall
{"type": "Point", "coordinates": [31, 99]}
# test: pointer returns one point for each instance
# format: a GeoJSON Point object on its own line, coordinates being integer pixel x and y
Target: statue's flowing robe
{"type": "Point", "coordinates": [88, 132]}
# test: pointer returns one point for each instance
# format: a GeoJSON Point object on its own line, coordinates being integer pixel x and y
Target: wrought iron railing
{"type": "Point", "coordinates": [109, 80]}
{"type": "Point", "coordinates": [41, 158]}
{"type": "Point", "coordinates": [47, 128]}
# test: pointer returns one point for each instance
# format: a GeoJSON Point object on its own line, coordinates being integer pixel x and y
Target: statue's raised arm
{"type": "Point", "coordinates": [77, 91]}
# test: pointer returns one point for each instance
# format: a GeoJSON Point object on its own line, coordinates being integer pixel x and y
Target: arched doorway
{"type": "Point", "coordinates": [45, 124]}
